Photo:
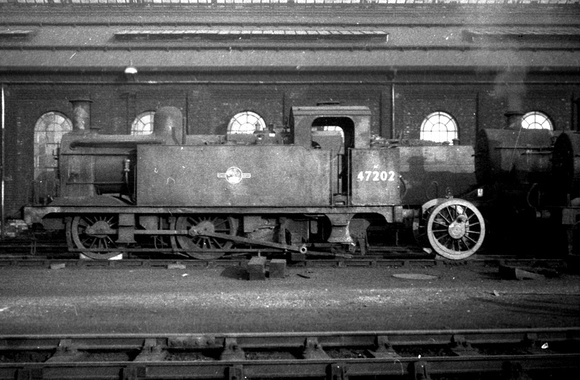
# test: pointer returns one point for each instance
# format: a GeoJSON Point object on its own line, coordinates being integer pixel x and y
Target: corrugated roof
{"type": "Point", "coordinates": [520, 33]}
{"type": "Point", "coordinates": [226, 34]}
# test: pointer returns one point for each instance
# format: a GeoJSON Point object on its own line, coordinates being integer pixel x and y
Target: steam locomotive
{"type": "Point", "coordinates": [294, 189]}
{"type": "Point", "coordinates": [531, 182]}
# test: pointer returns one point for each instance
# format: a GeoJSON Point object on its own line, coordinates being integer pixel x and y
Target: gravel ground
{"type": "Point", "coordinates": [308, 299]}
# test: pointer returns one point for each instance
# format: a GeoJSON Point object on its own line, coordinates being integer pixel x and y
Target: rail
{"type": "Point", "coordinates": [547, 265]}
{"type": "Point", "coordinates": [325, 355]}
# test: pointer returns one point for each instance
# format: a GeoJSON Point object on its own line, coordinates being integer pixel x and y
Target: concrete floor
{"type": "Point", "coordinates": [308, 299]}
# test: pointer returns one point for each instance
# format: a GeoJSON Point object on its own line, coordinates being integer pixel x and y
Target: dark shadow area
{"type": "Point", "coordinates": [535, 305]}
{"type": "Point", "coordinates": [236, 273]}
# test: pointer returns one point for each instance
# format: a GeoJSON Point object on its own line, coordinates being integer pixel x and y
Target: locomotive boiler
{"type": "Point", "coordinates": [319, 182]}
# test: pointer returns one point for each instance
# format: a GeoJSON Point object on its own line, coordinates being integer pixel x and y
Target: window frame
{"type": "Point", "coordinates": [245, 114]}
{"type": "Point", "coordinates": [44, 127]}
{"type": "Point", "coordinates": [535, 114]}
{"type": "Point", "coordinates": [453, 132]}
{"type": "Point", "coordinates": [139, 120]}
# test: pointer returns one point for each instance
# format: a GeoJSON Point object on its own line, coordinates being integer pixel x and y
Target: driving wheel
{"type": "Point", "coordinates": [455, 229]}
{"type": "Point", "coordinates": [95, 235]}
{"type": "Point", "coordinates": [204, 247]}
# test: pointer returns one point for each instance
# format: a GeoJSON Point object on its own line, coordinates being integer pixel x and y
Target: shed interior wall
{"type": "Point", "coordinates": [476, 102]}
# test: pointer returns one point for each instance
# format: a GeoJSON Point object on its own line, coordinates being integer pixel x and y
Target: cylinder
{"type": "Point", "coordinates": [81, 117]}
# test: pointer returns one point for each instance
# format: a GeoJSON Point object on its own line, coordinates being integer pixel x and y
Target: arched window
{"type": "Point", "coordinates": [439, 127]}
{"type": "Point", "coordinates": [246, 122]}
{"type": "Point", "coordinates": [48, 132]}
{"type": "Point", "coordinates": [536, 120]}
{"type": "Point", "coordinates": [143, 124]}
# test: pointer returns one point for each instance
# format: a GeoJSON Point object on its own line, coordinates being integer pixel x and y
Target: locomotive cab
{"type": "Point", "coordinates": [360, 176]}
{"type": "Point", "coordinates": [332, 128]}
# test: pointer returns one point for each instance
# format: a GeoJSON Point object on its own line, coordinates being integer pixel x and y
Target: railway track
{"type": "Point", "coordinates": [365, 262]}
{"type": "Point", "coordinates": [451, 354]}
{"type": "Point", "coordinates": [47, 254]}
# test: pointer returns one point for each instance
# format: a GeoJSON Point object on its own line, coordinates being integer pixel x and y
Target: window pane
{"type": "Point", "coordinates": [246, 122]}
{"type": "Point", "coordinates": [143, 124]}
{"type": "Point", "coordinates": [536, 120]}
{"type": "Point", "coordinates": [48, 132]}
{"type": "Point", "coordinates": [439, 127]}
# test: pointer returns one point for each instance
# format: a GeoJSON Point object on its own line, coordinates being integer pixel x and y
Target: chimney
{"type": "Point", "coordinates": [514, 119]}
{"type": "Point", "coordinates": [168, 124]}
{"type": "Point", "coordinates": [81, 118]}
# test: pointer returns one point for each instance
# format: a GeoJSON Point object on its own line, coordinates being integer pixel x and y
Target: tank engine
{"type": "Point", "coordinates": [527, 176]}
{"type": "Point", "coordinates": [288, 189]}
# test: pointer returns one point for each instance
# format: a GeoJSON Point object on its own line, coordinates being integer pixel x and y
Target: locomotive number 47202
{"type": "Point", "coordinates": [375, 176]}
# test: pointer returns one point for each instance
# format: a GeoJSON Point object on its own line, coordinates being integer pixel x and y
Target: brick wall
{"type": "Point", "coordinates": [209, 106]}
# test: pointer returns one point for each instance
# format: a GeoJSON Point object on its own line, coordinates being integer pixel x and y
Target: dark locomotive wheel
{"type": "Point", "coordinates": [455, 229]}
{"type": "Point", "coordinates": [96, 232]}
{"type": "Point", "coordinates": [204, 247]}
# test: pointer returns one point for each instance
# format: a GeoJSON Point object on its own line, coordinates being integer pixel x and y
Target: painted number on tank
{"type": "Point", "coordinates": [375, 176]}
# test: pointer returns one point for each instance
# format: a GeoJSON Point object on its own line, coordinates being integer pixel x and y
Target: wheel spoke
{"type": "Point", "coordinates": [472, 232]}
{"type": "Point", "coordinates": [470, 239]}
{"type": "Point", "coordinates": [88, 242]}
{"type": "Point", "coordinates": [444, 218]}
{"type": "Point", "coordinates": [441, 224]}
{"type": "Point", "coordinates": [454, 245]}
{"type": "Point", "coordinates": [452, 213]}
{"type": "Point", "coordinates": [474, 224]}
